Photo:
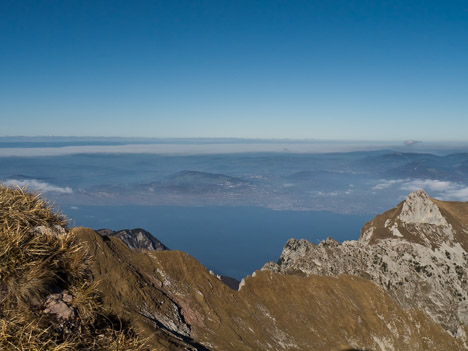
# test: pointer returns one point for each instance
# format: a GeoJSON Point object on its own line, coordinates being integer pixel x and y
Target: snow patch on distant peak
{"type": "Point", "coordinates": [418, 208]}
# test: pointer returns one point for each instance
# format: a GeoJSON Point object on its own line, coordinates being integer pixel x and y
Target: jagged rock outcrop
{"type": "Point", "coordinates": [136, 238]}
{"type": "Point", "coordinates": [417, 252]}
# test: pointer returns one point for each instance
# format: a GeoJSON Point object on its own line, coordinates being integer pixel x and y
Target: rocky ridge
{"type": "Point", "coordinates": [136, 238]}
{"type": "Point", "coordinates": [140, 239]}
{"type": "Point", "coordinates": [416, 252]}
{"type": "Point", "coordinates": [178, 304]}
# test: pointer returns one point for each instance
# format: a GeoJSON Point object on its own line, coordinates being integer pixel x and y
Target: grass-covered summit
{"type": "Point", "coordinates": [48, 300]}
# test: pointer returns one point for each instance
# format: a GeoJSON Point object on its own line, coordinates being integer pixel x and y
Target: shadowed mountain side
{"type": "Point", "coordinates": [126, 280]}
{"type": "Point", "coordinates": [136, 238]}
{"type": "Point", "coordinates": [231, 282]}
{"type": "Point", "coordinates": [140, 239]}
{"type": "Point", "coordinates": [171, 298]}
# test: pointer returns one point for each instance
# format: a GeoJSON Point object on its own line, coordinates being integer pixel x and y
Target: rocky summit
{"type": "Point", "coordinates": [416, 252]}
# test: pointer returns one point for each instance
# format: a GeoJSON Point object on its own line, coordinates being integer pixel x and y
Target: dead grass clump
{"type": "Point", "coordinates": [36, 252]}
{"type": "Point", "coordinates": [41, 261]}
{"type": "Point", "coordinates": [21, 333]}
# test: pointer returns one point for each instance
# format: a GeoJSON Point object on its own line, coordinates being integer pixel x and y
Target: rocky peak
{"type": "Point", "coordinates": [418, 208]}
{"type": "Point", "coordinates": [418, 219]}
{"type": "Point", "coordinates": [136, 238]}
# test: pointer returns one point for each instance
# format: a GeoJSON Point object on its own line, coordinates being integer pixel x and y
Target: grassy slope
{"type": "Point", "coordinates": [38, 258]}
{"type": "Point", "coordinates": [284, 311]}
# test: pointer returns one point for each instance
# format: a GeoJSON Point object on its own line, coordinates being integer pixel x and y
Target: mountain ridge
{"type": "Point", "coordinates": [270, 311]}
{"type": "Point", "coordinates": [173, 303]}
{"type": "Point", "coordinates": [136, 238]}
{"type": "Point", "coordinates": [416, 252]}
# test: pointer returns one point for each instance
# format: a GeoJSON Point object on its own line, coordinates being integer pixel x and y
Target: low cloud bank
{"type": "Point", "coordinates": [42, 187]}
{"type": "Point", "coordinates": [194, 148]}
{"type": "Point", "coordinates": [385, 184]}
{"type": "Point", "coordinates": [445, 190]}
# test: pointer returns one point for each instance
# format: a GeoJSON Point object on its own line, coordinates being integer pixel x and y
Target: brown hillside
{"type": "Point", "coordinates": [127, 280]}
{"type": "Point", "coordinates": [170, 293]}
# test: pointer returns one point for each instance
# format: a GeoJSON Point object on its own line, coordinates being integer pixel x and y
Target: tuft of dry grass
{"type": "Point", "coordinates": [36, 252]}
{"type": "Point", "coordinates": [40, 257]}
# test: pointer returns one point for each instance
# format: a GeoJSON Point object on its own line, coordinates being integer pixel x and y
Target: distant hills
{"type": "Point", "coordinates": [423, 166]}
{"type": "Point", "coordinates": [363, 182]}
{"type": "Point", "coordinates": [200, 182]}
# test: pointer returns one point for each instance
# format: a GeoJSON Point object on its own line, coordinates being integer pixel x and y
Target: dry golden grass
{"type": "Point", "coordinates": [38, 257]}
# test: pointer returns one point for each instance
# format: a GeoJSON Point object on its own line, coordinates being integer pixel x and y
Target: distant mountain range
{"type": "Point", "coordinates": [362, 182]}
{"type": "Point", "coordinates": [452, 167]}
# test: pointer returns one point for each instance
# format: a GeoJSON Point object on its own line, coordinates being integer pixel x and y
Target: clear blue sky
{"type": "Point", "coordinates": [268, 69]}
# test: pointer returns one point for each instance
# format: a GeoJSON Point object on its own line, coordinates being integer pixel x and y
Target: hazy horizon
{"type": "Point", "coordinates": [55, 146]}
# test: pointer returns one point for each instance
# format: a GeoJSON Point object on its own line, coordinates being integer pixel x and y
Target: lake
{"type": "Point", "coordinates": [233, 241]}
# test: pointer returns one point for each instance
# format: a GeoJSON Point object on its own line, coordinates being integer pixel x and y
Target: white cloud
{"type": "Point", "coordinates": [411, 142]}
{"type": "Point", "coordinates": [441, 189]}
{"type": "Point", "coordinates": [460, 194]}
{"type": "Point", "coordinates": [42, 187]}
{"type": "Point", "coordinates": [384, 184]}
{"type": "Point", "coordinates": [429, 184]}
{"type": "Point", "coordinates": [348, 191]}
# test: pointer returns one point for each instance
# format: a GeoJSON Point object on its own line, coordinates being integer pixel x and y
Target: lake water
{"type": "Point", "coordinates": [233, 241]}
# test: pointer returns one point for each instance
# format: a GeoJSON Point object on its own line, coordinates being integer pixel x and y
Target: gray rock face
{"type": "Point", "coordinates": [60, 305]}
{"type": "Point", "coordinates": [416, 252]}
{"type": "Point", "coordinates": [136, 239]}
{"type": "Point", "coordinates": [55, 230]}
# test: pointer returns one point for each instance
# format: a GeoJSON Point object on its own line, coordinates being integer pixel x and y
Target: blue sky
{"type": "Point", "coordinates": [372, 70]}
